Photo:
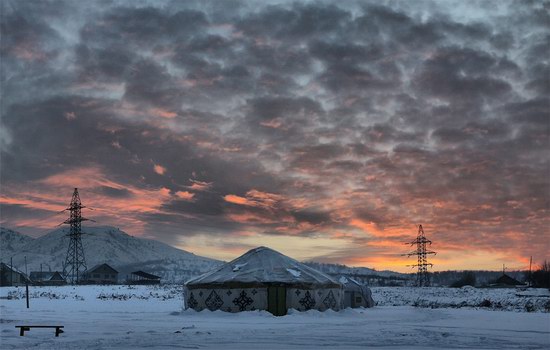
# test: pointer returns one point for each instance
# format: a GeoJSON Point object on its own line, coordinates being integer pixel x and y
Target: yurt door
{"type": "Point", "coordinates": [276, 300]}
{"type": "Point", "coordinates": [348, 297]}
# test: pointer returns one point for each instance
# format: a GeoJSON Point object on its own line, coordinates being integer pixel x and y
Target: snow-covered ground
{"type": "Point", "coordinates": [507, 299]}
{"type": "Point", "coordinates": [122, 317]}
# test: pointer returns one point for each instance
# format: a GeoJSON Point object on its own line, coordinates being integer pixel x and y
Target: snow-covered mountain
{"type": "Point", "coordinates": [126, 253]}
{"type": "Point", "coordinates": [104, 245]}
{"type": "Point", "coordinates": [364, 274]}
{"type": "Point", "coordinates": [11, 241]}
{"type": "Point", "coordinates": [333, 269]}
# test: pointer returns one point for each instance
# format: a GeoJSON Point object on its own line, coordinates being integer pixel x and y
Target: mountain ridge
{"type": "Point", "coordinates": [104, 244]}
{"type": "Point", "coordinates": [126, 253]}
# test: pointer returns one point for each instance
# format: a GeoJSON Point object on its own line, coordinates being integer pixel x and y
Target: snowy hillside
{"type": "Point", "coordinates": [364, 274]}
{"type": "Point", "coordinates": [12, 241]}
{"type": "Point", "coordinates": [127, 253]}
{"type": "Point", "coordinates": [112, 246]}
{"type": "Point", "coordinates": [339, 269]}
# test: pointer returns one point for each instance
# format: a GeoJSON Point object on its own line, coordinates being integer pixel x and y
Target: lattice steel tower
{"type": "Point", "coordinates": [75, 263]}
{"type": "Point", "coordinates": [422, 276]}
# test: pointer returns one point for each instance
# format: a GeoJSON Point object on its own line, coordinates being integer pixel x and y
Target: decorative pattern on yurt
{"type": "Point", "coordinates": [231, 300]}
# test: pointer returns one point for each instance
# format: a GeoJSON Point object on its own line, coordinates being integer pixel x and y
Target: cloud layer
{"type": "Point", "coordinates": [326, 130]}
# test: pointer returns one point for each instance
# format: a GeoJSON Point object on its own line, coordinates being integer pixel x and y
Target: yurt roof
{"type": "Point", "coordinates": [348, 280]}
{"type": "Point", "coordinates": [260, 267]}
{"type": "Point", "coordinates": [350, 284]}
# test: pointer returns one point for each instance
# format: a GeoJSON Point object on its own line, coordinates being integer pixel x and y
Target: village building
{"type": "Point", "coordinates": [264, 279]}
{"type": "Point", "coordinates": [101, 274]}
{"type": "Point", "coordinates": [356, 294]}
{"type": "Point", "coordinates": [10, 276]}
{"type": "Point", "coordinates": [140, 277]}
{"type": "Point", "coordinates": [47, 278]}
{"type": "Point", "coordinates": [506, 281]}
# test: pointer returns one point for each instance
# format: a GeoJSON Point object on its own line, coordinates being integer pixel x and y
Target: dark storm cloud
{"type": "Point", "coordinates": [312, 217]}
{"type": "Point", "coordinates": [337, 52]}
{"type": "Point", "coordinates": [69, 127]}
{"type": "Point", "coordinates": [540, 82]}
{"type": "Point", "coordinates": [303, 118]}
{"type": "Point", "coordinates": [46, 141]}
{"type": "Point", "coordinates": [345, 165]}
{"type": "Point", "coordinates": [378, 20]}
{"type": "Point", "coordinates": [456, 73]}
{"type": "Point", "coordinates": [474, 133]}
{"type": "Point", "coordinates": [26, 37]}
{"type": "Point", "coordinates": [151, 83]}
{"type": "Point", "coordinates": [371, 215]}
{"type": "Point", "coordinates": [264, 109]}
{"type": "Point", "coordinates": [387, 133]}
{"type": "Point", "coordinates": [340, 78]}
{"type": "Point", "coordinates": [204, 203]}
{"type": "Point", "coordinates": [295, 22]}
{"type": "Point", "coordinates": [312, 157]}
{"type": "Point", "coordinates": [143, 26]}
{"type": "Point", "coordinates": [109, 63]}
{"type": "Point", "coordinates": [115, 192]}
{"type": "Point", "coordinates": [14, 212]}
{"type": "Point", "coordinates": [531, 111]}
{"type": "Point", "coordinates": [283, 119]}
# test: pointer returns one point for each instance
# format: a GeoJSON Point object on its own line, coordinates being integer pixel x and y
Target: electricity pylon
{"type": "Point", "coordinates": [75, 263]}
{"type": "Point", "coordinates": [422, 276]}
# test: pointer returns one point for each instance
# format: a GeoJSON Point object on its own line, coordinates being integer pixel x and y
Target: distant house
{"type": "Point", "coordinates": [10, 276]}
{"type": "Point", "coordinates": [507, 281]}
{"type": "Point", "coordinates": [101, 274]}
{"type": "Point", "coordinates": [47, 278]}
{"type": "Point", "coordinates": [140, 277]}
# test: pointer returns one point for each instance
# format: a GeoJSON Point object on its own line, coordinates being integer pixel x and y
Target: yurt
{"type": "Point", "coordinates": [356, 294]}
{"type": "Point", "coordinates": [264, 279]}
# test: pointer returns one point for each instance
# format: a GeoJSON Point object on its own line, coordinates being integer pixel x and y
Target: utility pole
{"type": "Point", "coordinates": [422, 276]}
{"type": "Point", "coordinates": [75, 263]}
{"type": "Point", "coordinates": [26, 282]}
{"type": "Point", "coordinates": [530, 263]}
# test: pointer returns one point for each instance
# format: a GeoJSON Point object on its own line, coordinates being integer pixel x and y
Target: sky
{"type": "Point", "coordinates": [326, 130]}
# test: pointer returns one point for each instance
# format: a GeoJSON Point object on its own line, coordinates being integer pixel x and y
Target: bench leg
{"type": "Point", "coordinates": [58, 331]}
{"type": "Point", "coordinates": [22, 330]}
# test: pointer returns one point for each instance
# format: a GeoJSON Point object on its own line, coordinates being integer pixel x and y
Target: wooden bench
{"type": "Point", "coordinates": [22, 329]}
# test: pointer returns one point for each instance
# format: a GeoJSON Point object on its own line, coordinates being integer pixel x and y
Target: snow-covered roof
{"type": "Point", "coordinates": [146, 275]}
{"type": "Point", "coordinates": [348, 280]}
{"type": "Point", "coordinates": [107, 266]}
{"type": "Point", "coordinates": [45, 275]}
{"type": "Point", "coordinates": [351, 284]}
{"type": "Point", "coordinates": [261, 266]}
{"type": "Point", "coordinates": [14, 270]}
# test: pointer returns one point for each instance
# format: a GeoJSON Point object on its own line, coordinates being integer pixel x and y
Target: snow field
{"type": "Point", "coordinates": [507, 299]}
{"type": "Point", "coordinates": [123, 317]}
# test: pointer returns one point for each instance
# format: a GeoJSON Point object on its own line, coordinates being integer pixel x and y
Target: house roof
{"type": "Point", "coordinates": [6, 266]}
{"type": "Point", "coordinates": [99, 266]}
{"type": "Point", "coordinates": [505, 279]}
{"type": "Point", "coordinates": [261, 266]}
{"type": "Point", "coordinates": [44, 275]}
{"type": "Point", "coordinates": [146, 275]}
